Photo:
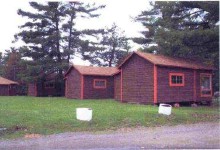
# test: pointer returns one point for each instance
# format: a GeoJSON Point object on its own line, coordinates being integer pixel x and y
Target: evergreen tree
{"type": "Point", "coordinates": [1, 64]}
{"type": "Point", "coordinates": [50, 36]}
{"type": "Point", "coordinates": [183, 29]}
{"type": "Point", "coordinates": [42, 37]}
{"type": "Point", "coordinates": [12, 65]}
{"type": "Point", "coordinates": [112, 47]}
{"type": "Point", "coordinates": [74, 38]}
{"type": "Point", "coordinates": [14, 69]}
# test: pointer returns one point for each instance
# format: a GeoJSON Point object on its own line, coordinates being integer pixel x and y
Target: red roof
{"type": "Point", "coordinates": [4, 81]}
{"type": "Point", "coordinates": [98, 71]}
{"type": "Point", "coordinates": [162, 60]}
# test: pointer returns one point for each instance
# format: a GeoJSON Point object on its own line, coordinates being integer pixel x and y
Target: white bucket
{"type": "Point", "coordinates": [84, 114]}
{"type": "Point", "coordinates": [165, 109]}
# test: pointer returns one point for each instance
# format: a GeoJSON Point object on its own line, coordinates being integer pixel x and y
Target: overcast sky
{"type": "Point", "coordinates": [118, 11]}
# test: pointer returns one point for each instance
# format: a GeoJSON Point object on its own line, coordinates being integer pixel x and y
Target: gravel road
{"type": "Point", "coordinates": [202, 135]}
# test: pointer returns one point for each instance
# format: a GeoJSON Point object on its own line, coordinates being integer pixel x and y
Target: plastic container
{"type": "Point", "coordinates": [165, 109]}
{"type": "Point", "coordinates": [84, 114]}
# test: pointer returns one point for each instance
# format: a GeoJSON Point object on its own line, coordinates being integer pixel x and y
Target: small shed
{"type": "Point", "coordinates": [47, 86]}
{"type": "Point", "coordinates": [7, 87]}
{"type": "Point", "coordinates": [88, 82]}
{"type": "Point", "coordinates": [152, 79]}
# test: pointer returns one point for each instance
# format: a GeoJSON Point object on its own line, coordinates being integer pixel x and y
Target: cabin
{"type": "Point", "coordinates": [47, 86]}
{"type": "Point", "coordinates": [152, 79]}
{"type": "Point", "coordinates": [143, 78]}
{"type": "Point", "coordinates": [87, 82]}
{"type": "Point", "coordinates": [7, 87]}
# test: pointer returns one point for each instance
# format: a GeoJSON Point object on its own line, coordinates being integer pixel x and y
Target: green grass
{"type": "Point", "coordinates": [27, 115]}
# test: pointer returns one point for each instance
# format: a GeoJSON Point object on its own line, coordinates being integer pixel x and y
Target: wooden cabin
{"type": "Point", "coordinates": [7, 87]}
{"type": "Point", "coordinates": [152, 79]}
{"type": "Point", "coordinates": [87, 82]}
{"type": "Point", "coordinates": [48, 86]}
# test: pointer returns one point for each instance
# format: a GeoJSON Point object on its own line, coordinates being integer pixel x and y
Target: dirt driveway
{"type": "Point", "coordinates": [202, 135]}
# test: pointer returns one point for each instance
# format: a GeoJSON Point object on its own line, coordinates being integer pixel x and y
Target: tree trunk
{"type": "Point", "coordinates": [112, 56]}
{"type": "Point", "coordinates": [70, 39]}
{"type": "Point", "coordinates": [59, 60]}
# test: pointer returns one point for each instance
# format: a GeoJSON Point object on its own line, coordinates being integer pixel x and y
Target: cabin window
{"type": "Point", "coordinates": [206, 85]}
{"type": "Point", "coordinates": [49, 85]}
{"type": "Point", "coordinates": [176, 79]}
{"type": "Point", "coordinates": [99, 83]}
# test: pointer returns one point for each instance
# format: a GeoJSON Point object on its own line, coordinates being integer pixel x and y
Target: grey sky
{"type": "Point", "coordinates": [117, 11]}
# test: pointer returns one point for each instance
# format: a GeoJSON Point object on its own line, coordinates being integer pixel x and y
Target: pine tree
{"type": "Point", "coordinates": [175, 26]}
{"type": "Point", "coordinates": [50, 36]}
{"type": "Point", "coordinates": [42, 36]}
{"type": "Point", "coordinates": [12, 65]}
{"type": "Point", "coordinates": [112, 47]}
{"type": "Point", "coordinates": [75, 39]}
{"type": "Point", "coordinates": [1, 64]}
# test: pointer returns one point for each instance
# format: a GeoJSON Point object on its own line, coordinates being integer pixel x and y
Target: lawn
{"type": "Point", "coordinates": [27, 115]}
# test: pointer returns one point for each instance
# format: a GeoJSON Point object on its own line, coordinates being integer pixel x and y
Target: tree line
{"type": "Point", "coordinates": [180, 29]}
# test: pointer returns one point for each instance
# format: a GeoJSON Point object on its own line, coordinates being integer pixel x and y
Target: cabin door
{"type": "Point", "coordinates": [206, 85]}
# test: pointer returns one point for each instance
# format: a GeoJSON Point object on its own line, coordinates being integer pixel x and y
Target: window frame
{"type": "Point", "coordinates": [99, 87]}
{"type": "Point", "coordinates": [176, 84]}
{"type": "Point", "coordinates": [201, 90]}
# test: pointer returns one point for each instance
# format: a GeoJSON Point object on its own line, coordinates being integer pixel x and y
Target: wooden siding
{"type": "Point", "coordinates": [137, 80]}
{"type": "Point", "coordinates": [167, 93]}
{"type": "Point", "coordinates": [89, 92]}
{"type": "Point", "coordinates": [4, 91]}
{"type": "Point", "coordinates": [186, 93]}
{"type": "Point", "coordinates": [39, 89]}
{"type": "Point", "coordinates": [73, 85]}
{"type": "Point", "coordinates": [139, 77]}
{"type": "Point", "coordinates": [8, 90]}
{"type": "Point", "coordinates": [12, 90]}
{"type": "Point", "coordinates": [32, 91]}
{"type": "Point", "coordinates": [117, 87]}
{"type": "Point", "coordinates": [50, 91]}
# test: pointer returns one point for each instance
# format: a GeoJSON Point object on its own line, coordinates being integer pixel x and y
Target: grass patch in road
{"type": "Point", "coordinates": [36, 115]}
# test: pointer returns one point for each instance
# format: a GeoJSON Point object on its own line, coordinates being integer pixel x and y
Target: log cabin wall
{"type": "Point", "coordinates": [92, 92]}
{"type": "Point", "coordinates": [73, 85]}
{"type": "Point", "coordinates": [137, 79]}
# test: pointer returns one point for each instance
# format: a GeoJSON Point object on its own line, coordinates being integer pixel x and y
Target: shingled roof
{"type": "Point", "coordinates": [162, 60]}
{"type": "Point", "coordinates": [4, 81]}
{"type": "Point", "coordinates": [90, 70]}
